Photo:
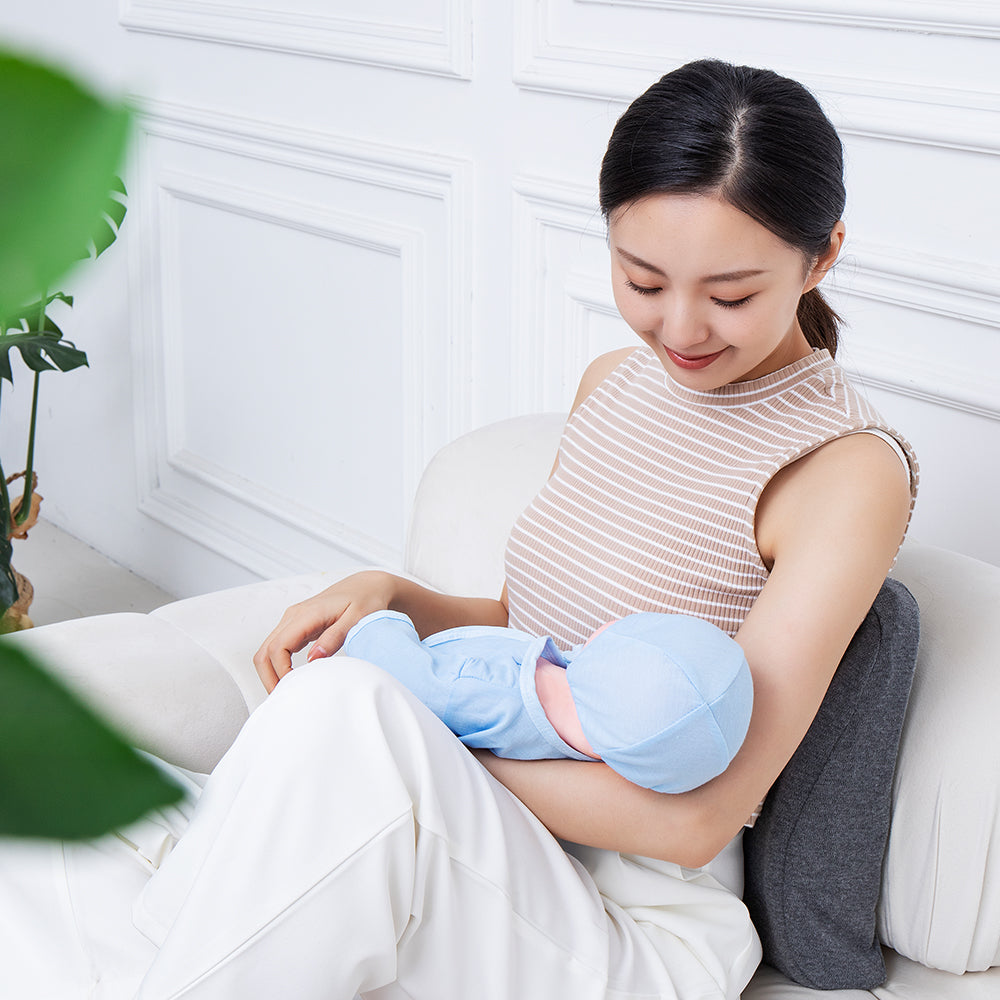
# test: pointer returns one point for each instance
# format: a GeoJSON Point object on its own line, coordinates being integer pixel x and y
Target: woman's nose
{"type": "Point", "coordinates": [682, 326]}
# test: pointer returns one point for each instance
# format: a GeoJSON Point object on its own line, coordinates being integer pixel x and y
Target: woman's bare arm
{"type": "Point", "coordinates": [325, 619]}
{"type": "Point", "coordinates": [829, 526]}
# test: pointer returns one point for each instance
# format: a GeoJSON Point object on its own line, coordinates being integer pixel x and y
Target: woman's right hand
{"type": "Point", "coordinates": [323, 620]}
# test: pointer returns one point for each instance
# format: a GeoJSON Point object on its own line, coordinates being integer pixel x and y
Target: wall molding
{"type": "Point", "coordinates": [186, 491]}
{"type": "Point", "coordinates": [542, 359]}
{"type": "Point", "coordinates": [444, 50]}
{"type": "Point", "coordinates": [894, 111]}
{"type": "Point", "coordinates": [946, 386]}
{"type": "Point", "coordinates": [941, 286]}
{"type": "Point", "coordinates": [304, 520]}
{"type": "Point", "coordinates": [586, 297]}
{"type": "Point", "coordinates": [937, 286]}
{"type": "Point", "coordinates": [965, 18]}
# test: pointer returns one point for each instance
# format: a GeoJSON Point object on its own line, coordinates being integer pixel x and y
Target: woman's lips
{"type": "Point", "coordinates": [692, 363]}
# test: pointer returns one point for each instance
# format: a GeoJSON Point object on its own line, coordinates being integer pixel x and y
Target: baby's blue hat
{"type": "Point", "coordinates": [663, 699]}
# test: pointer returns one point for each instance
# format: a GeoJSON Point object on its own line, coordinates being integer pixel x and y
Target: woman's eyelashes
{"type": "Point", "coordinates": [732, 303]}
{"type": "Point", "coordinates": [652, 290]}
{"type": "Point", "coordinates": [641, 289]}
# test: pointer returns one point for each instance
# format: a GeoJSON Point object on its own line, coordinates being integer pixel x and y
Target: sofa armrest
{"type": "Point", "coordinates": [159, 687]}
{"type": "Point", "coordinates": [178, 682]}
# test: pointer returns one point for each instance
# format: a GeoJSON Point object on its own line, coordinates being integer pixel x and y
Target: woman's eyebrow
{"type": "Point", "coordinates": [639, 262]}
{"type": "Point", "coordinates": [709, 279]}
{"type": "Point", "coordinates": [732, 276]}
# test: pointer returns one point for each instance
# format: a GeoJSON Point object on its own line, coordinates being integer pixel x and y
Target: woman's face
{"type": "Point", "coordinates": [710, 290]}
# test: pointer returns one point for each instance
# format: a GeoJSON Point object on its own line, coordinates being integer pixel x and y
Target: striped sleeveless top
{"type": "Point", "coordinates": [651, 506]}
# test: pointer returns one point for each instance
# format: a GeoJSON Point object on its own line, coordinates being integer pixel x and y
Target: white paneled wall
{"type": "Point", "coordinates": [360, 228]}
{"type": "Point", "coordinates": [324, 275]}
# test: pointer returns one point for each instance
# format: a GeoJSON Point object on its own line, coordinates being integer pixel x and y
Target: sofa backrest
{"type": "Point", "coordinates": [941, 877]}
{"type": "Point", "coordinates": [469, 497]}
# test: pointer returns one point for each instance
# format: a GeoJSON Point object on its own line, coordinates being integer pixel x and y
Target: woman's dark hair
{"type": "Point", "coordinates": [759, 141]}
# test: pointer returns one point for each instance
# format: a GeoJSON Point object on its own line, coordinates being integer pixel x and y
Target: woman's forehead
{"type": "Point", "coordinates": [665, 233]}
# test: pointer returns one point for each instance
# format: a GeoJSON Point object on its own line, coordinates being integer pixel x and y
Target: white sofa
{"type": "Point", "coordinates": [181, 683]}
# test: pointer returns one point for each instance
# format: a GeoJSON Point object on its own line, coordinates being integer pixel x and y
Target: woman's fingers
{"type": "Point", "coordinates": [299, 624]}
{"type": "Point", "coordinates": [333, 637]}
{"type": "Point", "coordinates": [323, 620]}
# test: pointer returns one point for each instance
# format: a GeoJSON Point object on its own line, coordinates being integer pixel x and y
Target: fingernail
{"type": "Point", "coordinates": [316, 653]}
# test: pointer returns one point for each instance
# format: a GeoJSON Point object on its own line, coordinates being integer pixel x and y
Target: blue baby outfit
{"type": "Point", "coordinates": [478, 679]}
{"type": "Point", "coordinates": [663, 699]}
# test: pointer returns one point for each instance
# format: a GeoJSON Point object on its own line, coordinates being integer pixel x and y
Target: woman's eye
{"type": "Point", "coordinates": [641, 289]}
{"type": "Point", "coordinates": [732, 303]}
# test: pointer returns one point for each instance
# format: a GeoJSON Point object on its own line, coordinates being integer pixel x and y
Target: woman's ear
{"type": "Point", "coordinates": [826, 261]}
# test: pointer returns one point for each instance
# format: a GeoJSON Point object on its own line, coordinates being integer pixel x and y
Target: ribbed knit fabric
{"type": "Point", "coordinates": [651, 507]}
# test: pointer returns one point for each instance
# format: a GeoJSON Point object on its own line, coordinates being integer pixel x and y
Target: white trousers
{"type": "Point", "coordinates": [348, 843]}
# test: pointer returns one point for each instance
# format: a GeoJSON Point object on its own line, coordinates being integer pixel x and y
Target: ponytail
{"type": "Point", "coordinates": [819, 322]}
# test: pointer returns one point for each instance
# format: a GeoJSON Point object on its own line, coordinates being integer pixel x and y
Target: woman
{"type": "Point", "coordinates": [723, 469]}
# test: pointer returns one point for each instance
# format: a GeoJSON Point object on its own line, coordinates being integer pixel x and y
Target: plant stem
{"type": "Point", "coordinates": [4, 505]}
{"type": "Point", "coordinates": [25, 509]}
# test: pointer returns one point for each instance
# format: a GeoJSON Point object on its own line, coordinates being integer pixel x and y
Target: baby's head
{"type": "Point", "coordinates": [663, 699]}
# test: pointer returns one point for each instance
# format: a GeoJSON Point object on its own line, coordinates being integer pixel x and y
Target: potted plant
{"type": "Point", "coordinates": [35, 335]}
{"type": "Point", "coordinates": [63, 771]}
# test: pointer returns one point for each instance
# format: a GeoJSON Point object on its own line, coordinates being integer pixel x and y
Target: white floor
{"type": "Point", "coordinates": [72, 580]}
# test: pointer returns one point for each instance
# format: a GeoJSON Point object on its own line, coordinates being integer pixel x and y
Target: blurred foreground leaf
{"type": "Point", "coordinates": [63, 772]}
{"type": "Point", "coordinates": [60, 152]}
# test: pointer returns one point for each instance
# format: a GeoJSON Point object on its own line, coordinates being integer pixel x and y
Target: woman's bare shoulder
{"type": "Point", "coordinates": [598, 370]}
{"type": "Point", "coordinates": [856, 480]}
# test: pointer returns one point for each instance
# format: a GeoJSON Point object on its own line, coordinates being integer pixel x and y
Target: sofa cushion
{"type": "Point", "coordinates": [814, 859]}
{"type": "Point", "coordinates": [156, 685]}
{"type": "Point", "coordinates": [940, 900]}
{"type": "Point", "coordinates": [905, 980]}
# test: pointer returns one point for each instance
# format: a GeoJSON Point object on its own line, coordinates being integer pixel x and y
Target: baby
{"type": "Point", "coordinates": [663, 699]}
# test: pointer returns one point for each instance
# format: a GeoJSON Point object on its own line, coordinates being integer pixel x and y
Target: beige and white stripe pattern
{"type": "Point", "coordinates": [651, 506]}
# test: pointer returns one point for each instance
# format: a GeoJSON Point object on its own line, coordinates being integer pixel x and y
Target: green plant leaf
{"type": "Point", "coordinates": [61, 150]}
{"type": "Point", "coordinates": [37, 345]}
{"type": "Point", "coordinates": [65, 356]}
{"type": "Point", "coordinates": [115, 207]}
{"type": "Point", "coordinates": [50, 327]}
{"type": "Point", "coordinates": [31, 311]}
{"type": "Point", "coordinates": [103, 237]}
{"type": "Point", "coordinates": [64, 772]}
{"type": "Point", "coordinates": [31, 355]}
{"type": "Point", "coordinates": [106, 231]}
{"type": "Point", "coordinates": [28, 314]}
